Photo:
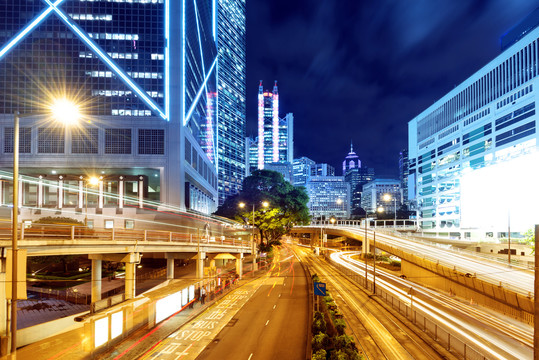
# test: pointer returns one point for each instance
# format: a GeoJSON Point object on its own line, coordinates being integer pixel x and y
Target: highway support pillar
{"type": "Point", "coordinates": [201, 255]}
{"type": "Point", "coordinates": [239, 265]}
{"type": "Point", "coordinates": [131, 262]}
{"type": "Point", "coordinates": [170, 267]}
{"type": "Point", "coordinates": [97, 265]}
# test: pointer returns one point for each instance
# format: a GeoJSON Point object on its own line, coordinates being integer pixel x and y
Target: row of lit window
{"type": "Point", "coordinates": [134, 75]}
{"type": "Point", "coordinates": [105, 17]}
{"type": "Point", "coordinates": [516, 70]}
{"type": "Point", "coordinates": [109, 36]}
{"type": "Point", "coordinates": [114, 55]}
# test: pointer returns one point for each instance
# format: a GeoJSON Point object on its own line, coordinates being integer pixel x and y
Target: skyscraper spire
{"type": "Point", "coordinates": [351, 146]}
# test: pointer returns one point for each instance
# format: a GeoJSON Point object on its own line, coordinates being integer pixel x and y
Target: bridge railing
{"type": "Point", "coordinates": [77, 232]}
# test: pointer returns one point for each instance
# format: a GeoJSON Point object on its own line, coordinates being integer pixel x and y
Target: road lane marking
{"type": "Point", "coordinates": [274, 306]}
{"type": "Point", "coordinates": [267, 323]}
{"type": "Point", "coordinates": [250, 356]}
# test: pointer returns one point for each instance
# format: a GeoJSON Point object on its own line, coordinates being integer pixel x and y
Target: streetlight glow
{"type": "Point", "coordinates": [93, 180]}
{"type": "Point", "coordinates": [265, 204]}
{"type": "Point", "coordinates": [65, 111]}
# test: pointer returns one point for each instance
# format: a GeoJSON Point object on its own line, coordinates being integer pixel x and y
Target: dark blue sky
{"type": "Point", "coordinates": [358, 70]}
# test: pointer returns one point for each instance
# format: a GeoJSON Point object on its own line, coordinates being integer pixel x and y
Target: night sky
{"type": "Point", "coordinates": [358, 70]}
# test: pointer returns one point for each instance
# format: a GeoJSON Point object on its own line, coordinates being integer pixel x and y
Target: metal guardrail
{"type": "Point", "coordinates": [442, 334]}
{"type": "Point", "coordinates": [83, 233]}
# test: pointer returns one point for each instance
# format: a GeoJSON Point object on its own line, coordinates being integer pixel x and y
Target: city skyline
{"type": "Point", "coordinates": [334, 73]}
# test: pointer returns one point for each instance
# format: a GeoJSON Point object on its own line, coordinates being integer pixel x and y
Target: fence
{"type": "Point", "coordinates": [67, 295]}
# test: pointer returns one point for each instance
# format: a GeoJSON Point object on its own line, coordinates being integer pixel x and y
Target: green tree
{"type": "Point", "coordinates": [287, 206]}
{"type": "Point", "coordinates": [529, 238]}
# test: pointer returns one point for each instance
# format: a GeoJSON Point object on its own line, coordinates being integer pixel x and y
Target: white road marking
{"type": "Point", "coordinates": [274, 306]}
{"type": "Point", "coordinates": [267, 322]}
{"type": "Point", "coordinates": [250, 356]}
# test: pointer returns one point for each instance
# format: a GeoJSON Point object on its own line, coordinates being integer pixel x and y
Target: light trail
{"type": "Point", "coordinates": [456, 319]}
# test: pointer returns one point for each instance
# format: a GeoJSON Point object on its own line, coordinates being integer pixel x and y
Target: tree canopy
{"type": "Point", "coordinates": [287, 205]}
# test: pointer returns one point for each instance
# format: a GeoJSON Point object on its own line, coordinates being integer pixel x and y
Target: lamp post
{"type": "Point", "coordinates": [341, 208]}
{"type": "Point", "coordinates": [253, 248]}
{"type": "Point", "coordinates": [65, 112]}
{"type": "Point", "coordinates": [388, 197]}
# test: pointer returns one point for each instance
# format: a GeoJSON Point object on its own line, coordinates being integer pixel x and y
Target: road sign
{"type": "Point", "coordinates": [320, 289]}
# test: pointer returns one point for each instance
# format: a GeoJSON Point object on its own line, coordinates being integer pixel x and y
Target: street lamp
{"type": "Point", "coordinates": [388, 197]}
{"type": "Point", "coordinates": [341, 208]}
{"type": "Point", "coordinates": [64, 112]}
{"type": "Point", "coordinates": [253, 249]}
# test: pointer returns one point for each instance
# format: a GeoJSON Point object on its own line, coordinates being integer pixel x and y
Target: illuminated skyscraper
{"type": "Point", "coordinates": [473, 154]}
{"type": "Point", "coordinates": [231, 78]}
{"type": "Point", "coordinates": [356, 176]}
{"type": "Point", "coordinates": [275, 141]}
{"type": "Point", "coordinates": [145, 74]}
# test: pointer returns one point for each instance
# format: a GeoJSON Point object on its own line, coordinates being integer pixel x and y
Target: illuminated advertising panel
{"type": "Point", "coordinates": [167, 306]}
{"type": "Point", "coordinates": [116, 324]}
{"type": "Point", "coordinates": [494, 197]}
{"type": "Point", "coordinates": [101, 329]}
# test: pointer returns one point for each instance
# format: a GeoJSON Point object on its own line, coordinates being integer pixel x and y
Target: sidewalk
{"type": "Point", "coordinates": [145, 340]}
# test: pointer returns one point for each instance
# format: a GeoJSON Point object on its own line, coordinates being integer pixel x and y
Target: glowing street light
{"type": "Point", "coordinates": [388, 197]}
{"type": "Point", "coordinates": [62, 111]}
{"type": "Point", "coordinates": [253, 248]}
{"type": "Point", "coordinates": [65, 111]}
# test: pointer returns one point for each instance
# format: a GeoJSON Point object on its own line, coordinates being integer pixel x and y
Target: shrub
{"type": "Point", "coordinates": [319, 355]}
{"type": "Point", "coordinates": [344, 341]}
{"type": "Point", "coordinates": [321, 341]}
{"type": "Point", "coordinates": [319, 325]}
{"type": "Point", "coordinates": [340, 325]}
{"type": "Point", "coordinates": [396, 263]}
{"type": "Point", "coordinates": [345, 355]}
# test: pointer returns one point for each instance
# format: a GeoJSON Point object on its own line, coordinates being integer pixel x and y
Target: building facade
{"type": "Point", "coordinates": [357, 176]}
{"type": "Point", "coordinates": [328, 197]}
{"type": "Point", "coordinates": [275, 140]}
{"type": "Point", "coordinates": [284, 168]}
{"type": "Point", "coordinates": [232, 92]}
{"type": "Point", "coordinates": [301, 169]}
{"type": "Point", "coordinates": [473, 153]}
{"type": "Point", "coordinates": [373, 196]}
{"type": "Point", "coordinates": [144, 75]}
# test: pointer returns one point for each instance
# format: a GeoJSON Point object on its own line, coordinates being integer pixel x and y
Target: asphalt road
{"type": "Point", "coordinates": [273, 324]}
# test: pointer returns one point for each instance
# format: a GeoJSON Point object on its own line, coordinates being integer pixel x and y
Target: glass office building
{"type": "Point", "coordinates": [144, 74]}
{"type": "Point", "coordinates": [473, 155]}
{"type": "Point", "coordinates": [232, 93]}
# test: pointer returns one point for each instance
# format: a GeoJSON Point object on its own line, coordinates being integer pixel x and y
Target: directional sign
{"type": "Point", "coordinates": [320, 289]}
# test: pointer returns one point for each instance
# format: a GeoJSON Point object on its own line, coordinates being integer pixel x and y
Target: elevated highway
{"type": "Point", "coordinates": [505, 288]}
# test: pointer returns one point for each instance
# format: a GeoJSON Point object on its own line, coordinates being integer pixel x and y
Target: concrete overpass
{"type": "Point", "coordinates": [504, 288]}
{"type": "Point", "coordinates": [125, 245]}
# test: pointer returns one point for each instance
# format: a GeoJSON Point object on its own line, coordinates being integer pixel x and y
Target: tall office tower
{"type": "Point", "coordinates": [144, 75]}
{"type": "Point", "coordinates": [275, 135]}
{"type": "Point", "coordinates": [403, 176]}
{"type": "Point", "coordinates": [356, 176]}
{"type": "Point", "coordinates": [473, 154]}
{"type": "Point", "coordinates": [231, 115]}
